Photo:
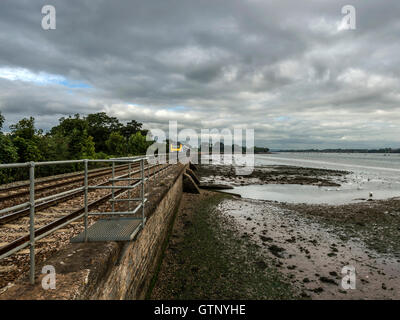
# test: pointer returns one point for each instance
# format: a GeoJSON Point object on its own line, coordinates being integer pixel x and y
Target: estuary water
{"type": "Point", "coordinates": [376, 174]}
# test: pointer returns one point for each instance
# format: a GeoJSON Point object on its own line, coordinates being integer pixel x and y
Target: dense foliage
{"type": "Point", "coordinates": [95, 136]}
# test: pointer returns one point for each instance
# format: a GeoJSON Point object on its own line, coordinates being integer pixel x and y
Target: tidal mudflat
{"type": "Point", "coordinates": [207, 258]}
{"type": "Point", "coordinates": [310, 242]}
{"type": "Point", "coordinates": [312, 252]}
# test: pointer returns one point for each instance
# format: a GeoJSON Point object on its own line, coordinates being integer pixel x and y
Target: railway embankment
{"type": "Point", "coordinates": [110, 270]}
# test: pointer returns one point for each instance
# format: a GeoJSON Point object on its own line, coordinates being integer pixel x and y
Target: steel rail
{"type": "Point", "coordinates": [76, 177]}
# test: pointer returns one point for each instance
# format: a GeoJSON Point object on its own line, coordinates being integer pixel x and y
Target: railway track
{"type": "Point", "coordinates": [7, 218]}
{"type": "Point", "coordinates": [54, 183]}
{"type": "Point", "coordinates": [48, 217]}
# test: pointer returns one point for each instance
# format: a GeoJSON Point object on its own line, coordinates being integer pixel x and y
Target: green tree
{"type": "Point", "coordinates": [25, 128]}
{"type": "Point", "coordinates": [26, 140]}
{"type": "Point", "coordinates": [56, 147]}
{"type": "Point", "coordinates": [116, 144]}
{"type": "Point", "coordinates": [100, 126]}
{"type": "Point", "coordinates": [27, 150]}
{"type": "Point", "coordinates": [88, 149]}
{"type": "Point", "coordinates": [138, 144]}
{"type": "Point", "coordinates": [1, 121]}
{"type": "Point", "coordinates": [75, 132]}
{"type": "Point", "coordinates": [131, 128]}
{"type": "Point", "coordinates": [8, 152]}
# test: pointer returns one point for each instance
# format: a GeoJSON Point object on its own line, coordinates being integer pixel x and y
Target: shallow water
{"type": "Point", "coordinates": [370, 173]}
{"type": "Point", "coordinates": [294, 193]}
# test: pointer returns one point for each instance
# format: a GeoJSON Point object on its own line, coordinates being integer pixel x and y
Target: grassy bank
{"type": "Point", "coordinates": [206, 259]}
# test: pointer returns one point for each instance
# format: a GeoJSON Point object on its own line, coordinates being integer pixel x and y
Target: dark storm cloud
{"type": "Point", "coordinates": [281, 67]}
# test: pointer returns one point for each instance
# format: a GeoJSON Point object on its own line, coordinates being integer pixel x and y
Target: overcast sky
{"type": "Point", "coordinates": [287, 69]}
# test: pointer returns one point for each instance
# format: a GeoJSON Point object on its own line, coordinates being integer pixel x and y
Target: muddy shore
{"type": "Point", "coordinates": [313, 242]}
{"type": "Point", "coordinates": [305, 246]}
{"type": "Point", "coordinates": [273, 174]}
{"type": "Point", "coordinates": [207, 258]}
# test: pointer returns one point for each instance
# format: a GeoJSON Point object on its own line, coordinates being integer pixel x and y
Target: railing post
{"type": "Point", "coordinates": [142, 189]}
{"type": "Point", "coordinates": [154, 173]}
{"type": "Point", "coordinates": [112, 192]}
{"type": "Point", "coordinates": [148, 177]}
{"type": "Point", "coordinates": [157, 165]}
{"type": "Point", "coordinates": [32, 222]}
{"type": "Point", "coordinates": [86, 198]}
{"type": "Point", "coordinates": [129, 183]}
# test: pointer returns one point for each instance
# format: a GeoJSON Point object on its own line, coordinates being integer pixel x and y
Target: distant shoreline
{"type": "Point", "coordinates": [380, 151]}
{"type": "Point", "coordinates": [264, 152]}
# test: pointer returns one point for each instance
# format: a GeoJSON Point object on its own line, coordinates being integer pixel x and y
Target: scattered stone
{"type": "Point", "coordinates": [261, 264]}
{"type": "Point", "coordinates": [291, 240]}
{"type": "Point", "coordinates": [276, 251]}
{"type": "Point", "coordinates": [264, 239]}
{"type": "Point", "coordinates": [327, 280]}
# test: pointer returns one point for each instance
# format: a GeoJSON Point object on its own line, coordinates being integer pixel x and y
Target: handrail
{"type": "Point", "coordinates": [31, 204]}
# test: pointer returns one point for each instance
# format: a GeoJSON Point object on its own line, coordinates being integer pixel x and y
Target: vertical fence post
{"type": "Point", "coordinates": [154, 172]}
{"type": "Point", "coordinates": [148, 177]}
{"type": "Point", "coordinates": [86, 197]}
{"type": "Point", "coordinates": [129, 183]}
{"type": "Point", "coordinates": [142, 189]}
{"type": "Point", "coordinates": [165, 169]}
{"type": "Point", "coordinates": [157, 166]}
{"type": "Point", "coordinates": [112, 192]}
{"type": "Point", "coordinates": [32, 222]}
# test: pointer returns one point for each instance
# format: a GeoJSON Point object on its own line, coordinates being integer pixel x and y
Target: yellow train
{"type": "Point", "coordinates": [176, 148]}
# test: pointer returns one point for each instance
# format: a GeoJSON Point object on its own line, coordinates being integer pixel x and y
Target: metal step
{"type": "Point", "coordinates": [111, 229]}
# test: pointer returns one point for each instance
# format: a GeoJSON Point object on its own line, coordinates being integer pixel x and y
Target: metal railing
{"type": "Point", "coordinates": [138, 182]}
{"type": "Point", "coordinates": [129, 177]}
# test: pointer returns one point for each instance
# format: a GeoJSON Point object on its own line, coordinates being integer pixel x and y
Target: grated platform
{"type": "Point", "coordinates": [111, 229]}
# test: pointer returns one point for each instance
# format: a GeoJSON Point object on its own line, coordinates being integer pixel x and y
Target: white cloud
{"type": "Point", "coordinates": [282, 67]}
{"type": "Point", "coordinates": [361, 78]}
{"type": "Point", "coordinates": [21, 74]}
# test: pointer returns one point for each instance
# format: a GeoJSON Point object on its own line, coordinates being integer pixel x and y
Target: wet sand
{"type": "Point", "coordinates": [311, 244]}
{"type": "Point", "coordinates": [313, 254]}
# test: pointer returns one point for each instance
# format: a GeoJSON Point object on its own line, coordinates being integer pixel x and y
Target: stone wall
{"type": "Point", "coordinates": [130, 277]}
